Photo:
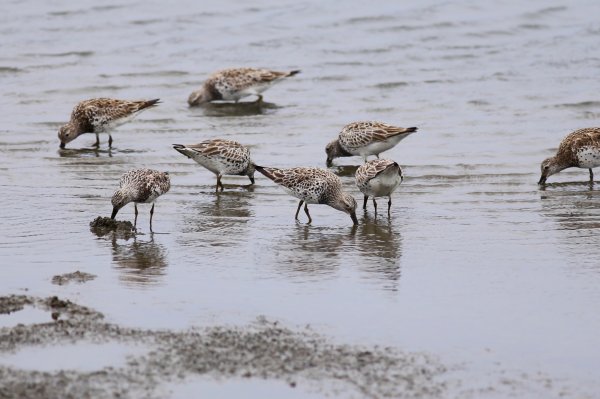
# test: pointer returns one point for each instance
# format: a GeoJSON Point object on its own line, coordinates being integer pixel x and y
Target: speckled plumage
{"type": "Point", "coordinates": [378, 178]}
{"type": "Point", "coordinates": [236, 83]}
{"type": "Point", "coordinates": [100, 115]}
{"type": "Point", "coordinates": [312, 186]}
{"type": "Point", "coordinates": [366, 138]}
{"type": "Point", "coordinates": [222, 157]}
{"type": "Point", "coordinates": [140, 186]}
{"type": "Point", "coordinates": [580, 149]}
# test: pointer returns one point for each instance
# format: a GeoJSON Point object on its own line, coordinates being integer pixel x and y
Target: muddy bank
{"type": "Point", "coordinates": [263, 350]}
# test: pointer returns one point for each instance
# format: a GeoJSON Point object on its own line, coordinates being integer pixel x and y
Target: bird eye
{"type": "Point", "coordinates": [546, 167]}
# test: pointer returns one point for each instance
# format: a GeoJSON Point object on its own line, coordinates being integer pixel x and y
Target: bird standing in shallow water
{"type": "Point", "coordinates": [100, 115]}
{"type": "Point", "coordinates": [140, 186]}
{"type": "Point", "coordinates": [222, 157]}
{"type": "Point", "coordinates": [312, 186]}
{"type": "Point", "coordinates": [364, 139]}
{"type": "Point", "coordinates": [579, 149]}
{"type": "Point", "coordinates": [236, 83]}
{"type": "Point", "coordinates": [378, 178]}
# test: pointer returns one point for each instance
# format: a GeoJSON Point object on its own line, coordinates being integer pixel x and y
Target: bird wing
{"type": "Point", "coordinates": [229, 149]}
{"type": "Point", "coordinates": [371, 169]}
{"type": "Point", "coordinates": [360, 134]}
{"type": "Point", "coordinates": [100, 111]}
{"type": "Point", "coordinates": [242, 78]}
{"type": "Point", "coordinates": [580, 138]}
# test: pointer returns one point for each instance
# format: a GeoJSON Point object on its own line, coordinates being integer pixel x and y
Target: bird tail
{"type": "Point", "coordinates": [294, 72]}
{"type": "Point", "coordinates": [149, 103]}
{"type": "Point", "coordinates": [264, 171]}
{"type": "Point", "coordinates": [182, 149]}
{"type": "Point", "coordinates": [410, 129]}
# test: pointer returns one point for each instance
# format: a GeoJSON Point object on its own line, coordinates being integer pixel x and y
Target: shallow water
{"type": "Point", "coordinates": [85, 357]}
{"type": "Point", "coordinates": [476, 264]}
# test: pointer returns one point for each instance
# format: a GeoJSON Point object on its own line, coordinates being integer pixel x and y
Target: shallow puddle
{"type": "Point", "coordinates": [27, 315]}
{"type": "Point", "coordinates": [237, 388]}
{"type": "Point", "coordinates": [83, 357]}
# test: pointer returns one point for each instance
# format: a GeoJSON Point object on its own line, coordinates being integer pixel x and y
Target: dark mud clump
{"type": "Point", "coordinates": [262, 350]}
{"type": "Point", "coordinates": [104, 225]}
{"type": "Point", "coordinates": [77, 277]}
{"type": "Point", "coordinates": [13, 303]}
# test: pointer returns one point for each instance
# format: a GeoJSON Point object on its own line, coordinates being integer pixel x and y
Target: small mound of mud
{"type": "Point", "coordinates": [78, 277]}
{"type": "Point", "coordinates": [104, 225]}
{"type": "Point", "coordinates": [108, 223]}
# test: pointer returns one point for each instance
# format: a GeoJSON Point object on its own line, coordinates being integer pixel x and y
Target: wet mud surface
{"type": "Point", "coordinates": [262, 350]}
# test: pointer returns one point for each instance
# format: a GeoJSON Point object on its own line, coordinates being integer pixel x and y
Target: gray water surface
{"type": "Point", "coordinates": [476, 264]}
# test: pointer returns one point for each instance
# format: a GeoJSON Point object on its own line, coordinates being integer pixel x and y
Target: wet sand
{"type": "Point", "coordinates": [263, 350]}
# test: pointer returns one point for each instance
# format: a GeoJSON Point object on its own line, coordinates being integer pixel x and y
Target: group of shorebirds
{"type": "Point", "coordinates": [376, 178]}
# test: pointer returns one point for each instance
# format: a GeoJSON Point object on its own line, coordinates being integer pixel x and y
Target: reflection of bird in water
{"type": "Point", "coordinates": [579, 149]}
{"type": "Point", "coordinates": [222, 157]}
{"type": "Point", "coordinates": [378, 178]}
{"type": "Point", "coordinates": [573, 210]}
{"type": "Point", "coordinates": [100, 115]}
{"type": "Point", "coordinates": [380, 250]}
{"type": "Point", "coordinates": [142, 262]}
{"type": "Point", "coordinates": [140, 186]}
{"type": "Point", "coordinates": [236, 83]}
{"type": "Point", "coordinates": [308, 251]}
{"type": "Point", "coordinates": [217, 220]}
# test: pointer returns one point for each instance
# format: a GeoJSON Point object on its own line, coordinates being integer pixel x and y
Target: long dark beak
{"type": "Point", "coordinates": [114, 213]}
{"type": "Point", "coordinates": [354, 219]}
{"type": "Point", "coordinates": [542, 180]}
{"type": "Point", "coordinates": [329, 162]}
{"type": "Point", "coordinates": [251, 179]}
{"type": "Point", "coordinates": [62, 145]}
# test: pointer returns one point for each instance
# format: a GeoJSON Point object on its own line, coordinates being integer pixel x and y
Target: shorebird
{"type": "Point", "coordinates": [579, 149]}
{"type": "Point", "coordinates": [364, 139]}
{"type": "Point", "coordinates": [378, 178]}
{"type": "Point", "coordinates": [312, 186]}
{"type": "Point", "coordinates": [140, 186]}
{"type": "Point", "coordinates": [236, 83]}
{"type": "Point", "coordinates": [222, 157]}
{"type": "Point", "coordinates": [100, 115]}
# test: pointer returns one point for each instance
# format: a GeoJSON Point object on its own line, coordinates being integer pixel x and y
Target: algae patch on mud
{"type": "Point", "coordinates": [262, 350]}
{"type": "Point", "coordinates": [77, 277]}
{"type": "Point", "coordinates": [111, 224]}
{"type": "Point", "coordinates": [102, 225]}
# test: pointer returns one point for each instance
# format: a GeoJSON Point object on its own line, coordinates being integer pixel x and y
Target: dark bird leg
{"type": "Point", "coordinates": [151, 214]}
{"type": "Point", "coordinates": [259, 99]}
{"type": "Point", "coordinates": [377, 155]}
{"type": "Point", "coordinates": [591, 176]}
{"type": "Point", "coordinates": [298, 210]}
{"type": "Point", "coordinates": [136, 213]}
{"type": "Point", "coordinates": [109, 141]}
{"type": "Point", "coordinates": [219, 183]}
{"type": "Point", "coordinates": [375, 204]}
{"type": "Point", "coordinates": [307, 214]}
{"type": "Point", "coordinates": [389, 205]}
{"type": "Point", "coordinates": [365, 202]}
{"type": "Point", "coordinates": [97, 140]}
